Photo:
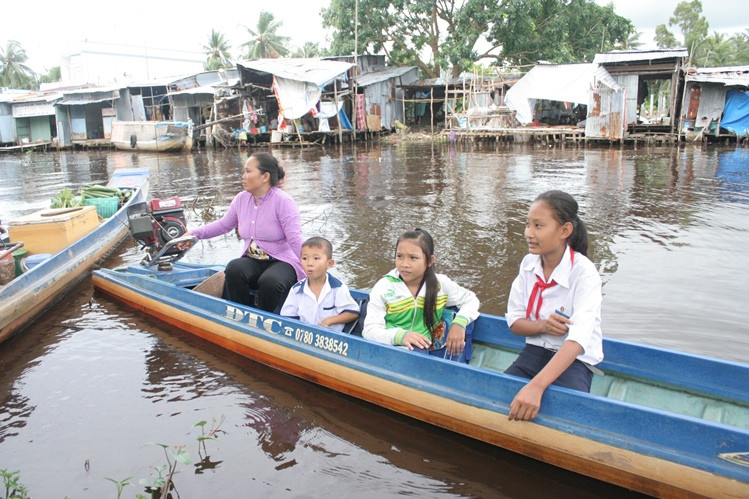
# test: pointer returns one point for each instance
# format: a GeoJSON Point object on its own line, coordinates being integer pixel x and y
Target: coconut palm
{"type": "Point", "coordinates": [309, 49]}
{"type": "Point", "coordinates": [716, 50]}
{"type": "Point", "coordinates": [13, 72]}
{"type": "Point", "coordinates": [217, 52]}
{"type": "Point", "coordinates": [265, 43]}
{"type": "Point", "coordinates": [632, 42]}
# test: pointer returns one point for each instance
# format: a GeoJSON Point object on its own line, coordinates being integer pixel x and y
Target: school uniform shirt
{"type": "Point", "coordinates": [273, 225]}
{"type": "Point", "coordinates": [335, 298]}
{"type": "Point", "coordinates": [577, 293]}
{"type": "Point", "coordinates": [393, 311]}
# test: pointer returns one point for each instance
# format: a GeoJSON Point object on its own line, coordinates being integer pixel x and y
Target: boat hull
{"type": "Point", "coordinates": [153, 136]}
{"type": "Point", "coordinates": [575, 431]}
{"type": "Point", "coordinates": [30, 294]}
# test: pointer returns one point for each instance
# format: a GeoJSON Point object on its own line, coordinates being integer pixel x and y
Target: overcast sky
{"type": "Point", "coordinates": [47, 30]}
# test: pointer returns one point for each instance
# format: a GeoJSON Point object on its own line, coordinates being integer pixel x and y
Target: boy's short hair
{"type": "Point", "coordinates": [319, 242]}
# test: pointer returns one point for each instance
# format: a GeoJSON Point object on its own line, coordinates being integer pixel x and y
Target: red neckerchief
{"type": "Point", "coordinates": [538, 288]}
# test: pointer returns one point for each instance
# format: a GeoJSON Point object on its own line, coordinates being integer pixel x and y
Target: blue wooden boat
{"type": "Point", "coordinates": [659, 422]}
{"type": "Point", "coordinates": [27, 296]}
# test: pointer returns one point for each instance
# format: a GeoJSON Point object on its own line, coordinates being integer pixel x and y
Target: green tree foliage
{"type": "Point", "coordinates": [664, 38]}
{"type": "Point", "coordinates": [445, 34]}
{"type": "Point", "coordinates": [631, 43]}
{"type": "Point", "coordinates": [721, 50]}
{"type": "Point", "coordinates": [693, 25]}
{"type": "Point", "coordinates": [715, 50]}
{"type": "Point", "coordinates": [559, 31]}
{"type": "Point", "coordinates": [309, 49]}
{"type": "Point", "coordinates": [52, 75]}
{"type": "Point", "coordinates": [265, 42]}
{"type": "Point", "coordinates": [217, 52]}
{"type": "Point", "coordinates": [13, 71]}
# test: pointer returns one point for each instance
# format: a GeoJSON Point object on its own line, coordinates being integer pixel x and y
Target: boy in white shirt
{"type": "Point", "coordinates": [321, 298]}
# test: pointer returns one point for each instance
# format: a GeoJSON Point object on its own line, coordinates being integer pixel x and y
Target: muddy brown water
{"type": "Point", "coordinates": [88, 388]}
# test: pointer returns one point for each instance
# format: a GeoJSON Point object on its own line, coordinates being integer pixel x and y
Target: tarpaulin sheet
{"type": "Point", "coordinates": [555, 82]}
{"type": "Point", "coordinates": [736, 112]}
{"type": "Point", "coordinates": [295, 98]}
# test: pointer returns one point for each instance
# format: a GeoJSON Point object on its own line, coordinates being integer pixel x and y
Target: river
{"type": "Point", "coordinates": [88, 388]}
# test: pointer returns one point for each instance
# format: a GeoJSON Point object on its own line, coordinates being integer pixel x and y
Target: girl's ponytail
{"type": "Point", "coordinates": [578, 241]}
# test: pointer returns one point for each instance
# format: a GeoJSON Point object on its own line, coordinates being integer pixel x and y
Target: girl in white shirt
{"type": "Point", "coordinates": [555, 302]}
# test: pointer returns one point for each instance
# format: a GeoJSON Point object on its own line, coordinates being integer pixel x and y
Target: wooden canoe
{"type": "Point", "coordinates": [27, 296]}
{"type": "Point", "coordinates": [660, 422]}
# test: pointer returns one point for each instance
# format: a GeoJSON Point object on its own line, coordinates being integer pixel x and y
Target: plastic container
{"type": "Point", "coordinates": [105, 207]}
{"type": "Point", "coordinates": [18, 256]}
{"type": "Point", "coordinates": [32, 261]}
{"type": "Point", "coordinates": [7, 270]}
{"type": "Point", "coordinates": [276, 136]}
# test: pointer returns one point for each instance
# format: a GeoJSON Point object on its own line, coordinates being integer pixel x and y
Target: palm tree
{"type": "Point", "coordinates": [309, 49]}
{"type": "Point", "coordinates": [217, 52]}
{"type": "Point", "coordinates": [716, 50]}
{"type": "Point", "coordinates": [13, 72]}
{"type": "Point", "coordinates": [265, 43]}
{"type": "Point", "coordinates": [632, 42]}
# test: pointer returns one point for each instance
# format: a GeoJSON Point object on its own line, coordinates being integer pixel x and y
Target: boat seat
{"type": "Point", "coordinates": [356, 326]}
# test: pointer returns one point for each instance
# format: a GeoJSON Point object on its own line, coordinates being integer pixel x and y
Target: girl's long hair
{"type": "Point", "coordinates": [564, 208]}
{"type": "Point", "coordinates": [426, 243]}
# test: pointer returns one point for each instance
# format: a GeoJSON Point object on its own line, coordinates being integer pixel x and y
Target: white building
{"type": "Point", "coordinates": [115, 64]}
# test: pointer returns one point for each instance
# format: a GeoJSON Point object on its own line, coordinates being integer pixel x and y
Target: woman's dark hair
{"type": "Point", "coordinates": [426, 243]}
{"type": "Point", "coordinates": [267, 163]}
{"type": "Point", "coordinates": [564, 208]}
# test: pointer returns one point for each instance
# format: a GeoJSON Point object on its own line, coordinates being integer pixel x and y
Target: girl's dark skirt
{"type": "Point", "coordinates": [534, 358]}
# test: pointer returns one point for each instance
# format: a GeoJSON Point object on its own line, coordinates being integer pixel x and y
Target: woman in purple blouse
{"type": "Point", "coordinates": [269, 223]}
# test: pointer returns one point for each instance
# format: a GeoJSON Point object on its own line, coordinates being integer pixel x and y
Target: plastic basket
{"type": "Point", "coordinates": [105, 207]}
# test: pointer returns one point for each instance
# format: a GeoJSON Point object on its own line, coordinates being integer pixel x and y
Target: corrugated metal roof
{"type": "Point", "coordinates": [38, 97]}
{"type": "Point", "coordinates": [92, 90]}
{"type": "Point", "coordinates": [722, 70]}
{"type": "Point", "coordinates": [382, 75]}
{"type": "Point", "coordinates": [83, 96]}
{"type": "Point", "coordinates": [726, 75]}
{"type": "Point", "coordinates": [206, 89]}
{"type": "Point", "coordinates": [68, 101]}
{"type": "Point", "coordinates": [317, 71]}
{"type": "Point", "coordinates": [741, 81]}
{"type": "Point", "coordinates": [638, 55]}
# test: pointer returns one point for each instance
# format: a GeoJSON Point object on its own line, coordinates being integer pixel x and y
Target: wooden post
{"type": "Point", "coordinates": [403, 105]}
{"type": "Point", "coordinates": [338, 118]}
{"type": "Point", "coordinates": [431, 109]}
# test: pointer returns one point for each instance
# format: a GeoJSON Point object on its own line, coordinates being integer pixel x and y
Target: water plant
{"type": "Point", "coordinates": [12, 485]}
{"type": "Point", "coordinates": [163, 483]}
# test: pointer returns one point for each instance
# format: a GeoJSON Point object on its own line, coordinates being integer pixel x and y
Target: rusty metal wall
{"type": "Point", "coordinates": [605, 114]}
{"type": "Point", "coordinates": [712, 98]}
{"type": "Point", "coordinates": [630, 82]}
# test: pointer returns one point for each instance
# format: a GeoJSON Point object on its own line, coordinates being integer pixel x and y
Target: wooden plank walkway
{"type": "Point", "coordinates": [44, 145]}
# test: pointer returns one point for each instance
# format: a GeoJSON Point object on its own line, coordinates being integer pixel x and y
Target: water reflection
{"type": "Point", "coordinates": [95, 381]}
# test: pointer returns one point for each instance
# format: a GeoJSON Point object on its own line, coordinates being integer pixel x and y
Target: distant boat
{"type": "Point", "coordinates": [74, 249]}
{"type": "Point", "coordinates": [155, 136]}
{"type": "Point", "coordinates": [660, 422]}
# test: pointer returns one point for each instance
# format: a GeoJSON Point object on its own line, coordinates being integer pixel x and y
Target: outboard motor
{"type": "Point", "coordinates": [154, 225]}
